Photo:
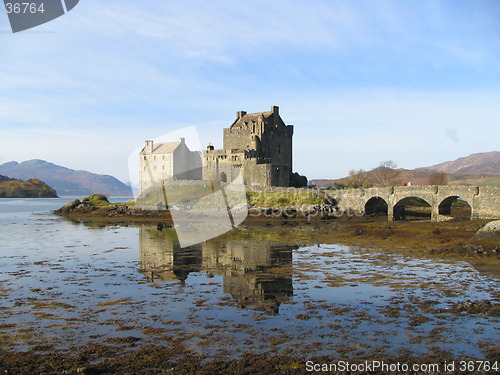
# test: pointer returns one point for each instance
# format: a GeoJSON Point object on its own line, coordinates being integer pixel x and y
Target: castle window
{"type": "Point", "coordinates": [154, 157]}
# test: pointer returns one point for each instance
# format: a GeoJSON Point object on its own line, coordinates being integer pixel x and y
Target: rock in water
{"type": "Point", "coordinates": [70, 205]}
{"type": "Point", "coordinates": [490, 229]}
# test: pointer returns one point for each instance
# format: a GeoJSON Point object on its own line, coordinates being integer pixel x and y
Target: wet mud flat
{"type": "Point", "coordinates": [98, 299]}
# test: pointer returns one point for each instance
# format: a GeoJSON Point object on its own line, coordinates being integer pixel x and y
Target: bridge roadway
{"type": "Point", "coordinates": [484, 201]}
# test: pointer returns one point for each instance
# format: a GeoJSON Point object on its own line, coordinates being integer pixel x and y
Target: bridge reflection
{"type": "Point", "coordinates": [256, 274]}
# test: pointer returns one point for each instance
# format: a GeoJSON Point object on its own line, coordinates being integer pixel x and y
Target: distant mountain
{"type": "Point", "coordinates": [33, 188]}
{"type": "Point", "coordinates": [64, 180]}
{"type": "Point", "coordinates": [487, 163]}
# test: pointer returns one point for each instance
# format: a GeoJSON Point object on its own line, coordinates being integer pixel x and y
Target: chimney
{"type": "Point", "coordinates": [183, 140]}
{"type": "Point", "coordinates": [240, 114]}
{"type": "Point", "coordinates": [275, 110]}
{"type": "Point", "coordinates": [149, 147]}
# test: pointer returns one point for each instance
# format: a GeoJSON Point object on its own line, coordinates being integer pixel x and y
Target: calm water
{"type": "Point", "coordinates": [67, 284]}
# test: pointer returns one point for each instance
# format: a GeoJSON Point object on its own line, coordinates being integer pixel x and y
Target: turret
{"type": "Point", "coordinates": [255, 143]}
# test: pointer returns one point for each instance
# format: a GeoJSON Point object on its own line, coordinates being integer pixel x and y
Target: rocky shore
{"type": "Point", "coordinates": [176, 358]}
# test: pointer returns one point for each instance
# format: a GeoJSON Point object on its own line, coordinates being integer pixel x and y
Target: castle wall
{"type": "Point", "coordinates": [154, 169]}
{"type": "Point", "coordinates": [238, 139]}
{"type": "Point", "coordinates": [258, 174]}
{"type": "Point", "coordinates": [186, 164]}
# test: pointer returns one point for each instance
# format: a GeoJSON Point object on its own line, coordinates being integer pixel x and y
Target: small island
{"type": "Point", "coordinates": [33, 188]}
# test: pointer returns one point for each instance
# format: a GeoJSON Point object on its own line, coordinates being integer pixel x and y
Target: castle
{"type": "Point", "coordinates": [258, 145]}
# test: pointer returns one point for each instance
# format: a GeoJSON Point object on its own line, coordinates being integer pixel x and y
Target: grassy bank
{"type": "Point", "coordinates": [284, 198]}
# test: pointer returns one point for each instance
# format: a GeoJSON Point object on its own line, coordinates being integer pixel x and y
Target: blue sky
{"type": "Point", "coordinates": [417, 82]}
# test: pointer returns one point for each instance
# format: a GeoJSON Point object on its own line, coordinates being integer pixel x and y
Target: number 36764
{"type": "Point", "coordinates": [23, 8]}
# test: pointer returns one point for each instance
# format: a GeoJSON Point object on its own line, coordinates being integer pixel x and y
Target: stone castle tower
{"type": "Point", "coordinates": [257, 144]}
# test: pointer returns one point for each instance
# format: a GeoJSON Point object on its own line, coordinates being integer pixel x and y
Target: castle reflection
{"type": "Point", "coordinates": [255, 273]}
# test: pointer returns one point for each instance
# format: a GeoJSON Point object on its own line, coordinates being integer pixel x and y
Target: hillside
{"type": "Point", "coordinates": [64, 180]}
{"type": "Point", "coordinates": [485, 163]}
{"type": "Point", "coordinates": [34, 188]}
{"type": "Point", "coordinates": [482, 169]}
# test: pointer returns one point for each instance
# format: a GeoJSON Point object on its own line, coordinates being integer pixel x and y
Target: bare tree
{"type": "Point", "coordinates": [438, 178]}
{"type": "Point", "coordinates": [386, 174]}
{"type": "Point", "coordinates": [359, 178]}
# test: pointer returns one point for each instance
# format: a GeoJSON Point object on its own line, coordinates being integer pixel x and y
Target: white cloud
{"type": "Point", "coordinates": [452, 134]}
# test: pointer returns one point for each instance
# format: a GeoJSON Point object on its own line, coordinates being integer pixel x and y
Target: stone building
{"type": "Point", "coordinates": [259, 145]}
{"type": "Point", "coordinates": [160, 162]}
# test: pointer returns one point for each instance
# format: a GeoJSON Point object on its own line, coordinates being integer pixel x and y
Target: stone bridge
{"type": "Point", "coordinates": [484, 202]}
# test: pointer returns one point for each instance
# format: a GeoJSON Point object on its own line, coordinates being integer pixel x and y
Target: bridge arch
{"type": "Point", "coordinates": [376, 205]}
{"type": "Point", "coordinates": [455, 206]}
{"type": "Point", "coordinates": [412, 207]}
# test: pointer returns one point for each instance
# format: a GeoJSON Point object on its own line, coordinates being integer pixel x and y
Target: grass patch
{"type": "Point", "coordinates": [97, 200]}
{"type": "Point", "coordinates": [487, 181]}
{"type": "Point", "coordinates": [285, 198]}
